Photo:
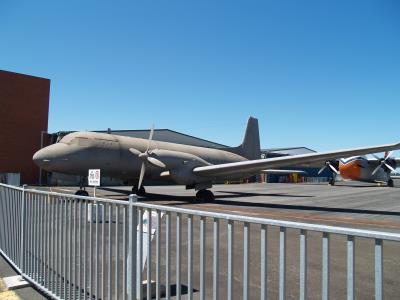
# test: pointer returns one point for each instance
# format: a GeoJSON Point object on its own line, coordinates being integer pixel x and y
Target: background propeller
{"type": "Point", "coordinates": [329, 165]}
{"type": "Point", "coordinates": [383, 162]}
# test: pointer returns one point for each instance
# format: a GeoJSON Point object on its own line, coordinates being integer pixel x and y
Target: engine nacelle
{"type": "Point", "coordinates": [180, 165]}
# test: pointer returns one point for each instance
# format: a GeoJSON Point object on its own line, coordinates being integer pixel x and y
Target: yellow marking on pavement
{"type": "Point", "coordinates": [9, 295]}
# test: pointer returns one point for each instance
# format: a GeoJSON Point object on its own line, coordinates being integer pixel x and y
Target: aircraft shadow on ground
{"type": "Point", "coordinates": [249, 194]}
{"type": "Point", "coordinates": [367, 186]}
{"type": "Point", "coordinates": [115, 190]}
{"type": "Point", "coordinates": [350, 185]}
{"type": "Point", "coordinates": [307, 208]}
{"type": "Point", "coordinates": [219, 199]}
{"type": "Point", "coordinates": [230, 194]}
{"type": "Point", "coordinates": [151, 196]}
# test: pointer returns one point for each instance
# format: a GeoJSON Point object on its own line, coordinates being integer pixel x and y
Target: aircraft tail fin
{"type": "Point", "coordinates": [250, 147]}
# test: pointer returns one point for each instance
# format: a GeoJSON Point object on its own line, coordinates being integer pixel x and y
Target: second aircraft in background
{"type": "Point", "coordinates": [361, 168]}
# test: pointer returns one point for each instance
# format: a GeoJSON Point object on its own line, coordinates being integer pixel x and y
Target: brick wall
{"type": "Point", "coordinates": [24, 108]}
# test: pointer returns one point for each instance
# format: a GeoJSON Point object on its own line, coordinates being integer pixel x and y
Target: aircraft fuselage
{"type": "Point", "coordinates": [77, 152]}
{"type": "Point", "coordinates": [360, 169]}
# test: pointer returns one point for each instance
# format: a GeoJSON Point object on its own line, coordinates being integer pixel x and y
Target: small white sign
{"type": "Point", "coordinates": [94, 177]}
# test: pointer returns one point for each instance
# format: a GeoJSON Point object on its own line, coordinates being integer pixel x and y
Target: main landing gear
{"type": "Point", "coordinates": [205, 196]}
{"type": "Point", "coordinates": [390, 183]}
{"type": "Point", "coordinates": [332, 181]}
{"type": "Point", "coordinates": [139, 192]}
{"type": "Point", "coordinates": [82, 191]}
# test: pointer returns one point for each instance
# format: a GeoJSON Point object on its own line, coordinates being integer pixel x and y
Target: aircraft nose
{"type": "Point", "coordinates": [41, 157]}
{"type": "Point", "coordinates": [48, 157]}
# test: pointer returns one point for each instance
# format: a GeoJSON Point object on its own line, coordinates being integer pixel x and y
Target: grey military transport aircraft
{"type": "Point", "coordinates": [197, 168]}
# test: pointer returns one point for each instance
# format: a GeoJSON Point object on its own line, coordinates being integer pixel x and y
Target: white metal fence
{"type": "Point", "coordinates": [74, 247]}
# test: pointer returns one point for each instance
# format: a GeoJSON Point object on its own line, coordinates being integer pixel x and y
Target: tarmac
{"type": "Point", "coordinates": [28, 293]}
{"type": "Point", "coordinates": [348, 204]}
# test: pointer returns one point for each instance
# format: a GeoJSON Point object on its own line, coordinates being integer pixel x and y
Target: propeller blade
{"type": "Point", "coordinates": [134, 151]}
{"type": "Point", "coordinates": [142, 170]}
{"type": "Point", "coordinates": [333, 169]}
{"type": "Point", "coordinates": [322, 169]}
{"type": "Point", "coordinates": [390, 167]}
{"type": "Point", "coordinates": [150, 138]}
{"type": "Point", "coordinates": [388, 154]}
{"type": "Point", "coordinates": [376, 169]}
{"type": "Point", "coordinates": [156, 162]}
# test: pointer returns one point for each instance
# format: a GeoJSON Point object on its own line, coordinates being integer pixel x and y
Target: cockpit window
{"type": "Point", "coordinates": [66, 139]}
{"type": "Point", "coordinates": [75, 140]}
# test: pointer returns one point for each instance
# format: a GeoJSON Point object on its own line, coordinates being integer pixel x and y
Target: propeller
{"type": "Point", "coordinates": [383, 162]}
{"type": "Point", "coordinates": [330, 166]}
{"type": "Point", "coordinates": [145, 158]}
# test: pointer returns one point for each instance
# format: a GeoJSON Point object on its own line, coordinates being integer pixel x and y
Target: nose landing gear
{"type": "Point", "coordinates": [82, 191]}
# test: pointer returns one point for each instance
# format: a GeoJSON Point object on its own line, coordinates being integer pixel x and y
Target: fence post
{"type": "Point", "coordinates": [21, 258]}
{"type": "Point", "coordinates": [132, 248]}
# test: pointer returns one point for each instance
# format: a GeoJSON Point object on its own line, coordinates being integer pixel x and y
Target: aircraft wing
{"type": "Point", "coordinates": [255, 166]}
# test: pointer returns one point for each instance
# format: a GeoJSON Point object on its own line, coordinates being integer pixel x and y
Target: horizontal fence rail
{"type": "Point", "coordinates": [75, 247]}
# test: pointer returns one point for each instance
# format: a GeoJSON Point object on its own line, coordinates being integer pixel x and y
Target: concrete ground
{"type": "Point", "coordinates": [355, 205]}
{"type": "Point", "coordinates": [24, 293]}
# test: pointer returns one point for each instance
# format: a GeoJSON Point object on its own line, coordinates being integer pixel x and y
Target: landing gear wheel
{"type": "Point", "coordinates": [390, 183]}
{"type": "Point", "coordinates": [139, 192]}
{"type": "Point", "coordinates": [81, 193]}
{"type": "Point", "coordinates": [332, 181]}
{"type": "Point", "coordinates": [205, 196]}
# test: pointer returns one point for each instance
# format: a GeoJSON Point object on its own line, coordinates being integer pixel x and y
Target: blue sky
{"type": "Point", "coordinates": [321, 74]}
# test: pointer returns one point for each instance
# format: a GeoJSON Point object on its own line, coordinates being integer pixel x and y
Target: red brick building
{"type": "Point", "coordinates": [24, 109]}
